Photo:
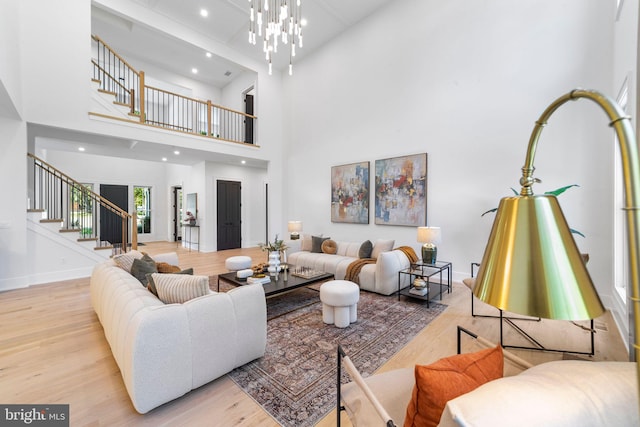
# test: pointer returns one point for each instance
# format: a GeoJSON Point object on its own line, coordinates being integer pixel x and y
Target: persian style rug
{"type": "Point", "coordinates": [295, 381]}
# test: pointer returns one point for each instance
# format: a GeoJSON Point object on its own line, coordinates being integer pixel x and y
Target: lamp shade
{"type": "Point", "coordinates": [429, 235]}
{"type": "Point", "coordinates": [294, 226]}
{"type": "Point", "coordinates": [532, 265]}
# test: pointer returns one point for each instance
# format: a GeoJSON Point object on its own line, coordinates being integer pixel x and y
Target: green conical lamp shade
{"type": "Point", "coordinates": [532, 265]}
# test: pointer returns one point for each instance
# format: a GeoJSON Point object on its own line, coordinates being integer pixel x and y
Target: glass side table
{"type": "Point", "coordinates": [437, 277]}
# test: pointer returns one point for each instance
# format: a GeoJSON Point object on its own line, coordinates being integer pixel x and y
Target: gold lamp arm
{"type": "Point", "coordinates": [631, 177]}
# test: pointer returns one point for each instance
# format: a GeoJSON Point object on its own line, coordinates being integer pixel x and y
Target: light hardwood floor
{"type": "Point", "coordinates": [53, 350]}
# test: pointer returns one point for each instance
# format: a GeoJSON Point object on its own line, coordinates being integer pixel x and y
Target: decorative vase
{"type": "Point", "coordinates": [274, 263]}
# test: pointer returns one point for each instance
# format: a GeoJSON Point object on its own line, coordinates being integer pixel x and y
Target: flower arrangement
{"type": "Point", "coordinates": [276, 246]}
{"type": "Point", "coordinates": [189, 218]}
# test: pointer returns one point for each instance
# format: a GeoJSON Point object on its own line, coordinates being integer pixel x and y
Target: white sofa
{"type": "Point", "coordinates": [565, 393]}
{"type": "Point", "coordinates": [165, 350]}
{"type": "Point", "coordinates": [381, 277]}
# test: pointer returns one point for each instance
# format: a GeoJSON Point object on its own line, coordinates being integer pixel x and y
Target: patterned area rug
{"type": "Point", "coordinates": [295, 380]}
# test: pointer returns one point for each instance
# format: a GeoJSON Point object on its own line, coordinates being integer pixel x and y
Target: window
{"type": "Point", "coordinates": [81, 209]}
{"type": "Point", "coordinates": [142, 200]}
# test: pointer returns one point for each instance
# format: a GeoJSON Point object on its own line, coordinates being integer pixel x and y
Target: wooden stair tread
{"type": "Point", "coordinates": [87, 239]}
{"type": "Point", "coordinates": [70, 230]}
{"type": "Point", "coordinates": [107, 92]}
{"type": "Point", "coordinates": [51, 220]}
{"type": "Point", "coordinates": [97, 248]}
{"type": "Point", "coordinates": [35, 210]}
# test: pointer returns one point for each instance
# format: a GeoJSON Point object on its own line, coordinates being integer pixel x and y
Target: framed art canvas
{"type": "Point", "coordinates": [350, 193]}
{"type": "Point", "coordinates": [401, 191]}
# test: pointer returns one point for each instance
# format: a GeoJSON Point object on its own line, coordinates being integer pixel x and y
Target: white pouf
{"type": "Point", "coordinates": [236, 263]}
{"type": "Point", "coordinates": [339, 302]}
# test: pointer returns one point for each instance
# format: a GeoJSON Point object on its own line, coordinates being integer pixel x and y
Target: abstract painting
{"type": "Point", "coordinates": [350, 193]}
{"type": "Point", "coordinates": [401, 191]}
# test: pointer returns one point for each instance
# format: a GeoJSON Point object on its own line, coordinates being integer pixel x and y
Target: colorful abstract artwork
{"type": "Point", "coordinates": [401, 191]}
{"type": "Point", "coordinates": [350, 193]}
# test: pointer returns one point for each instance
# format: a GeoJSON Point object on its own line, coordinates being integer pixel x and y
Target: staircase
{"type": "Point", "coordinates": [63, 211]}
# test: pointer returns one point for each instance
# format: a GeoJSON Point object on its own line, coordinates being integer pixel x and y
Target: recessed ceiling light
{"type": "Point", "coordinates": [244, 162]}
{"type": "Point", "coordinates": [208, 54]}
{"type": "Point", "coordinates": [204, 13]}
{"type": "Point", "coordinates": [176, 152]}
{"type": "Point", "coordinates": [80, 148]}
{"type": "Point", "coordinates": [164, 159]}
{"type": "Point", "coordinates": [194, 70]}
{"type": "Point", "coordinates": [303, 22]}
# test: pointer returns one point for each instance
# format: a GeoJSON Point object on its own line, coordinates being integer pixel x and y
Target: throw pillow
{"type": "Point", "coordinates": [329, 247]}
{"type": "Point", "coordinates": [316, 243]}
{"type": "Point", "coordinates": [151, 286]}
{"type": "Point", "coordinates": [164, 267]}
{"type": "Point", "coordinates": [143, 266]}
{"type": "Point", "coordinates": [305, 245]}
{"type": "Point", "coordinates": [382, 246]}
{"type": "Point", "coordinates": [179, 288]}
{"type": "Point", "coordinates": [365, 249]}
{"type": "Point", "coordinates": [447, 379]}
{"type": "Point", "coordinates": [125, 260]}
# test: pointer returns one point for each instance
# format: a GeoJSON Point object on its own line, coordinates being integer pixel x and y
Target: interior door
{"type": "Point", "coordinates": [229, 227]}
{"type": "Point", "coordinates": [111, 224]}
{"type": "Point", "coordinates": [248, 122]}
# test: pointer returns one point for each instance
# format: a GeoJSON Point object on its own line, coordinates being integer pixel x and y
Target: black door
{"type": "Point", "coordinates": [248, 121]}
{"type": "Point", "coordinates": [110, 223]}
{"type": "Point", "coordinates": [229, 210]}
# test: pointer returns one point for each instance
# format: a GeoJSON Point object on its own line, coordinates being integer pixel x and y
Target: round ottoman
{"type": "Point", "coordinates": [236, 263]}
{"type": "Point", "coordinates": [339, 302]}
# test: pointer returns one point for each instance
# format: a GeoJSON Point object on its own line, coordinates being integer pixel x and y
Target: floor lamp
{"type": "Point", "coordinates": [531, 264]}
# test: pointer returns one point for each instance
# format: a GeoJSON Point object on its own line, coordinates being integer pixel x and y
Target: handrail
{"type": "Point", "coordinates": [72, 203]}
{"type": "Point", "coordinates": [165, 109]}
{"type": "Point", "coordinates": [113, 79]}
{"type": "Point", "coordinates": [98, 39]}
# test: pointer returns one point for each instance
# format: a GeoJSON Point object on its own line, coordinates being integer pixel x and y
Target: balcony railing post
{"type": "Point", "coordinates": [209, 117]}
{"type": "Point", "coordinates": [141, 95]}
{"type": "Point", "coordinates": [134, 230]}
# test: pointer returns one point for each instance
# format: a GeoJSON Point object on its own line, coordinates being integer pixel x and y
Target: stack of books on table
{"type": "Point", "coordinates": [419, 291]}
{"type": "Point", "coordinates": [262, 280]}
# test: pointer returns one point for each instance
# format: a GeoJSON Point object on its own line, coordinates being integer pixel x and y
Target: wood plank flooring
{"type": "Point", "coordinates": [53, 350]}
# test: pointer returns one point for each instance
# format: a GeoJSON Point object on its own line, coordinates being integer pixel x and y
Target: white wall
{"type": "Point", "coordinates": [464, 82]}
{"type": "Point", "coordinates": [10, 94]}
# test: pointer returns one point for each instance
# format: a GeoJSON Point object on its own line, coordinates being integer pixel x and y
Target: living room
{"type": "Point", "coordinates": [461, 82]}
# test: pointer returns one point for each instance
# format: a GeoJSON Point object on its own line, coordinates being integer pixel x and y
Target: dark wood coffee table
{"type": "Point", "coordinates": [276, 286]}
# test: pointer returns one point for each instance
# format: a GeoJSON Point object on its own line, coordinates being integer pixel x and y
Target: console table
{"type": "Point", "coordinates": [188, 238]}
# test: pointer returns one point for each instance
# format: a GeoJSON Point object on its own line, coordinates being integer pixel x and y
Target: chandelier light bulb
{"type": "Point", "coordinates": [282, 21]}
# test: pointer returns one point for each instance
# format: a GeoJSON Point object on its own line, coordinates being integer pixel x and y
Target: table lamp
{"type": "Point", "coordinates": [294, 227]}
{"type": "Point", "coordinates": [531, 264]}
{"type": "Point", "coordinates": [431, 237]}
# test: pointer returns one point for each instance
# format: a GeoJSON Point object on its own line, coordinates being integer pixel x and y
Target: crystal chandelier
{"type": "Point", "coordinates": [281, 20]}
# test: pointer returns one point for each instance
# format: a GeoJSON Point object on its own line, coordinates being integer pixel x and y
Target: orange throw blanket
{"type": "Point", "coordinates": [409, 252]}
{"type": "Point", "coordinates": [353, 270]}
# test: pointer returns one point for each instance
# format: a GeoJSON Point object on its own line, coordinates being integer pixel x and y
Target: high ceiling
{"type": "Point", "coordinates": [227, 23]}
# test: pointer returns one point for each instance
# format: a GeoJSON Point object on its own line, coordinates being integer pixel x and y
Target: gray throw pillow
{"type": "Point", "coordinates": [316, 244]}
{"type": "Point", "coordinates": [143, 266]}
{"type": "Point", "coordinates": [365, 249]}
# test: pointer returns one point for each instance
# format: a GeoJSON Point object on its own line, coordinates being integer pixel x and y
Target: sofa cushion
{"type": "Point", "coordinates": [448, 378]}
{"type": "Point", "coordinates": [316, 243]}
{"type": "Point", "coordinates": [382, 245]}
{"type": "Point", "coordinates": [143, 266]}
{"type": "Point", "coordinates": [329, 247]}
{"type": "Point", "coordinates": [365, 249]}
{"type": "Point", "coordinates": [305, 245]}
{"type": "Point", "coordinates": [125, 260]}
{"type": "Point", "coordinates": [563, 393]}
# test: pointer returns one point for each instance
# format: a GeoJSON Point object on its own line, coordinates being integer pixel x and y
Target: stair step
{"type": "Point", "coordinates": [36, 210]}
{"type": "Point", "coordinates": [121, 104]}
{"type": "Point", "coordinates": [51, 220]}
{"type": "Point", "coordinates": [107, 92]}
{"type": "Point", "coordinates": [88, 239]}
{"type": "Point", "coordinates": [96, 81]}
{"type": "Point", "coordinates": [69, 230]}
{"type": "Point", "coordinates": [98, 248]}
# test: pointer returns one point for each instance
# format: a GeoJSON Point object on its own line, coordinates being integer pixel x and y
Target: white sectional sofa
{"type": "Point", "coordinates": [165, 350]}
{"type": "Point", "coordinates": [381, 277]}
